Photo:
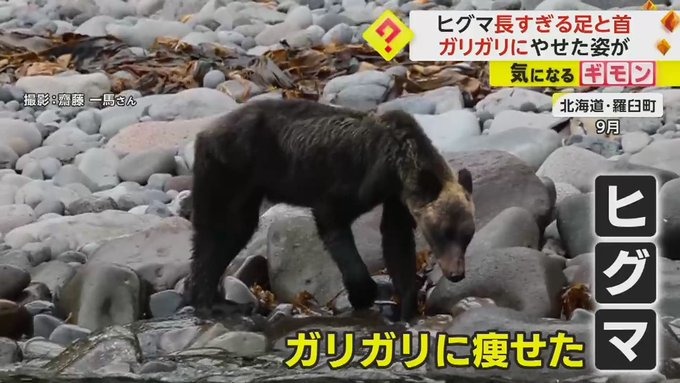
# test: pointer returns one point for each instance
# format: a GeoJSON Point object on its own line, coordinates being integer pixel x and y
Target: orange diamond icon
{"type": "Point", "coordinates": [671, 21]}
{"type": "Point", "coordinates": [663, 46]}
{"type": "Point", "coordinates": [649, 6]}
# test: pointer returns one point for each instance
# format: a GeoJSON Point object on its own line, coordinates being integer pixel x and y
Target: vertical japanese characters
{"type": "Point", "coordinates": [625, 272]}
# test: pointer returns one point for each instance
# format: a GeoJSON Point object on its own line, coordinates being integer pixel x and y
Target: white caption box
{"type": "Point", "coordinates": [613, 105]}
{"type": "Point", "coordinates": [645, 32]}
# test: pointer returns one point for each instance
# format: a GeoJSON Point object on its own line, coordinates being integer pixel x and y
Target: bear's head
{"type": "Point", "coordinates": [447, 220]}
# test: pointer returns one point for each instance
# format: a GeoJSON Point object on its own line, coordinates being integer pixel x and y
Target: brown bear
{"type": "Point", "coordinates": [340, 163]}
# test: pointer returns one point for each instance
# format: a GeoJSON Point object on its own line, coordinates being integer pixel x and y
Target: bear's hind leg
{"type": "Point", "coordinates": [336, 234]}
{"type": "Point", "coordinates": [399, 253]}
{"type": "Point", "coordinates": [224, 219]}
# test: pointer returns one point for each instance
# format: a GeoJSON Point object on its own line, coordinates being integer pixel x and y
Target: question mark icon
{"type": "Point", "coordinates": [394, 32]}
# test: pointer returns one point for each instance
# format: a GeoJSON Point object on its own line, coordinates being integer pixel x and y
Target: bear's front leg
{"type": "Point", "coordinates": [337, 237]}
{"type": "Point", "coordinates": [399, 253]}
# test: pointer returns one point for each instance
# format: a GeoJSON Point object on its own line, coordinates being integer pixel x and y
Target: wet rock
{"type": "Point", "coordinates": [241, 343]}
{"type": "Point", "coordinates": [164, 303]}
{"type": "Point", "coordinates": [102, 294]}
{"type": "Point", "coordinates": [40, 348]}
{"type": "Point", "coordinates": [236, 291]}
{"type": "Point", "coordinates": [154, 367]}
{"type": "Point", "coordinates": [178, 339]}
{"type": "Point", "coordinates": [116, 346]}
{"type": "Point", "coordinates": [159, 253]}
{"type": "Point", "coordinates": [13, 280]}
{"type": "Point", "coordinates": [66, 334]}
{"type": "Point", "coordinates": [493, 171]}
{"type": "Point", "coordinates": [44, 325]}
{"type": "Point", "coordinates": [519, 278]}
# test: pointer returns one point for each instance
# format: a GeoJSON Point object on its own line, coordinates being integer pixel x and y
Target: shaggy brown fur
{"type": "Point", "coordinates": [341, 163]}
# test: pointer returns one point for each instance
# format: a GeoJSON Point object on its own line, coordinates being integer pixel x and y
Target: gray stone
{"type": "Point", "coordinates": [14, 280]}
{"type": "Point", "coordinates": [512, 119]}
{"type": "Point", "coordinates": [660, 154]}
{"type": "Point", "coordinates": [7, 157]}
{"type": "Point", "coordinates": [447, 129]}
{"type": "Point", "coordinates": [633, 142]}
{"type": "Point", "coordinates": [102, 282]}
{"type": "Point", "coordinates": [164, 303]}
{"type": "Point", "coordinates": [574, 222]}
{"type": "Point", "coordinates": [361, 90]}
{"type": "Point", "coordinates": [579, 167]}
{"type": "Point", "coordinates": [66, 334]}
{"type": "Point", "coordinates": [159, 253]}
{"type": "Point", "coordinates": [91, 85]}
{"type": "Point", "coordinates": [145, 31]}
{"type": "Point", "coordinates": [213, 78]}
{"type": "Point", "coordinates": [54, 274]}
{"type": "Point", "coordinates": [20, 136]}
{"type": "Point", "coordinates": [138, 167]}
{"type": "Point", "coordinates": [89, 121]}
{"type": "Point", "coordinates": [497, 173]}
{"type": "Point", "coordinates": [241, 343]}
{"type": "Point", "coordinates": [513, 99]}
{"type": "Point", "coordinates": [69, 174]}
{"type": "Point", "coordinates": [49, 166]}
{"type": "Point", "coordinates": [100, 165]}
{"type": "Point", "coordinates": [44, 325]}
{"type": "Point", "coordinates": [530, 145]}
{"type": "Point", "coordinates": [40, 348]}
{"type": "Point", "coordinates": [73, 232]}
{"type": "Point", "coordinates": [516, 277]}
{"type": "Point", "coordinates": [513, 227]}
{"type": "Point", "coordinates": [10, 352]}
{"type": "Point", "coordinates": [33, 170]}
{"type": "Point", "coordinates": [114, 351]}
{"type": "Point", "coordinates": [13, 216]}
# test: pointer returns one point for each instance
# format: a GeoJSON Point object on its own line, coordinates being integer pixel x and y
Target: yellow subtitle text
{"type": "Point", "coordinates": [483, 350]}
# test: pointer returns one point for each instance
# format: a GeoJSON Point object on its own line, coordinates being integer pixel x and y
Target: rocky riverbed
{"type": "Point", "coordinates": [94, 239]}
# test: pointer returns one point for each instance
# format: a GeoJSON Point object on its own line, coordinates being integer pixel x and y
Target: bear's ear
{"type": "Point", "coordinates": [465, 179]}
{"type": "Point", "coordinates": [429, 185]}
